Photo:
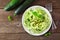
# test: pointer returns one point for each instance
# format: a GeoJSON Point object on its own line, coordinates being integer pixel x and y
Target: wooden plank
{"type": "Point", "coordinates": [56, 17]}
{"type": "Point", "coordinates": [14, 26]}
{"type": "Point", "coordinates": [56, 3]}
{"type": "Point", "coordinates": [25, 36]}
{"type": "Point", "coordinates": [54, 36]}
{"type": "Point", "coordinates": [21, 37]}
{"type": "Point", "coordinates": [14, 30]}
{"type": "Point", "coordinates": [3, 3]}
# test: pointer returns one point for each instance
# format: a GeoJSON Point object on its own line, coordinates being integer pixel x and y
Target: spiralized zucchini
{"type": "Point", "coordinates": [36, 24]}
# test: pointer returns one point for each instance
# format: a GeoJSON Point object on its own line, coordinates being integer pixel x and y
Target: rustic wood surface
{"type": "Point", "coordinates": [14, 30]}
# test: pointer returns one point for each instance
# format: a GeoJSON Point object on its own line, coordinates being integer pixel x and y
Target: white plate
{"type": "Point", "coordinates": [44, 30]}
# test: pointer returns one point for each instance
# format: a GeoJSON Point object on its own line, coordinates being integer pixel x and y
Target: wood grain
{"type": "Point", "coordinates": [56, 3]}
{"type": "Point", "coordinates": [3, 3]}
{"type": "Point", "coordinates": [25, 36]}
{"type": "Point", "coordinates": [14, 30]}
{"type": "Point", "coordinates": [14, 26]}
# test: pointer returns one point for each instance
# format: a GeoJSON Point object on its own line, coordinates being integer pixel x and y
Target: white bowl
{"type": "Point", "coordinates": [44, 30]}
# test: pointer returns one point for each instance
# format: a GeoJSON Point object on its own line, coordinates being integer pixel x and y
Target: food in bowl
{"type": "Point", "coordinates": [36, 20]}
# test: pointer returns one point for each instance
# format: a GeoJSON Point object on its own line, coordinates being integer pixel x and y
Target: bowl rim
{"type": "Point", "coordinates": [44, 30]}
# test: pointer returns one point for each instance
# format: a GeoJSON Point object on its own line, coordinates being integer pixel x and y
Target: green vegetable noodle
{"type": "Point", "coordinates": [36, 20]}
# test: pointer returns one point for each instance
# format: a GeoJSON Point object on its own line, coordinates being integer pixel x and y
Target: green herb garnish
{"type": "Point", "coordinates": [10, 18]}
{"type": "Point", "coordinates": [47, 34]}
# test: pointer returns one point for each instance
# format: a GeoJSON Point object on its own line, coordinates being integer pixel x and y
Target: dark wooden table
{"type": "Point", "coordinates": [14, 30]}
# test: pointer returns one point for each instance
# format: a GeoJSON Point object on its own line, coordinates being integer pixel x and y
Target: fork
{"type": "Point", "coordinates": [49, 7]}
